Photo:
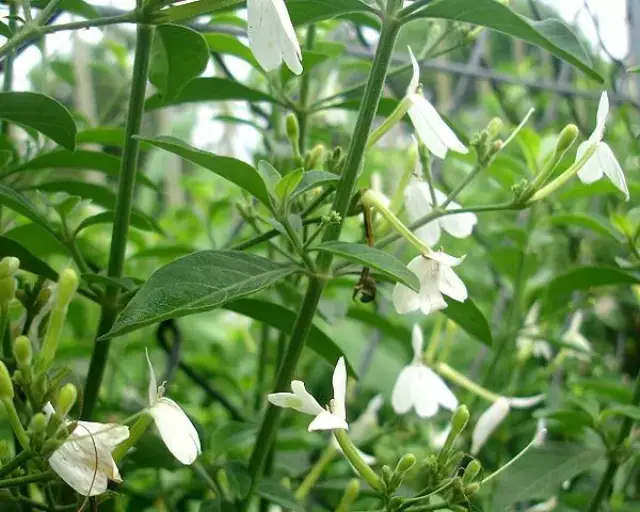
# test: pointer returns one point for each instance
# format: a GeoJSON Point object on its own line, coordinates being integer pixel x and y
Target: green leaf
{"type": "Point", "coordinates": [382, 261]}
{"type": "Point", "coordinates": [583, 220]}
{"type": "Point", "coordinates": [233, 170]}
{"type": "Point", "coordinates": [40, 113]}
{"type": "Point", "coordinates": [283, 319]}
{"type": "Point", "coordinates": [551, 34]}
{"type": "Point", "coordinates": [230, 45]}
{"type": "Point", "coordinates": [541, 472]}
{"type": "Point", "coordinates": [229, 436]}
{"type": "Point", "coordinates": [79, 159]}
{"type": "Point", "coordinates": [6, 157]}
{"type": "Point", "coordinates": [5, 30]}
{"type": "Point", "coordinates": [314, 179]}
{"type": "Point", "coordinates": [210, 89]}
{"type": "Point", "coordinates": [557, 293]}
{"type": "Point", "coordinates": [279, 494]}
{"type": "Point", "coordinates": [630, 411]}
{"type": "Point", "coordinates": [287, 184]}
{"type": "Point", "coordinates": [180, 55]}
{"type": "Point", "coordinates": [467, 315]}
{"type": "Point", "coordinates": [125, 283]}
{"type": "Point", "coordinates": [20, 204]}
{"type": "Point", "coordinates": [28, 261]}
{"type": "Point", "coordinates": [195, 283]}
{"type": "Point", "coordinates": [137, 220]}
{"type": "Point", "coordinates": [311, 11]}
{"type": "Point", "coordinates": [217, 505]}
{"type": "Point", "coordinates": [270, 176]}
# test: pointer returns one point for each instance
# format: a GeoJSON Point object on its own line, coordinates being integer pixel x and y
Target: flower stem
{"type": "Point", "coordinates": [135, 433]}
{"type": "Point", "coordinates": [7, 82]}
{"type": "Point", "coordinates": [614, 456]}
{"type": "Point", "coordinates": [14, 421]}
{"type": "Point", "coordinates": [305, 81]}
{"type": "Point", "coordinates": [5, 335]}
{"type": "Point", "coordinates": [326, 457]}
{"type": "Point", "coordinates": [446, 371]}
{"type": "Point", "coordinates": [356, 460]}
{"type": "Point", "coordinates": [28, 479]}
{"type": "Point", "coordinates": [16, 462]}
{"type": "Point", "coordinates": [124, 200]}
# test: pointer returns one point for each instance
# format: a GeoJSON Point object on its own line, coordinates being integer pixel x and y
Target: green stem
{"type": "Point", "coordinates": [309, 481]}
{"type": "Point", "coordinates": [7, 83]}
{"type": "Point", "coordinates": [135, 433]}
{"type": "Point", "coordinates": [28, 479]}
{"type": "Point", "coordinates": [15, 463]}
{"type": "Point", "coordinates": [124, 200]}
{"type": "Point", "coordinates": [297, 243]}
{"type": "Point", "coordinates": [5, 335]}
{"type": "Point", "coordinates": [14, 421]}
{"type": "Point", "coordinates": [351, 453]}
{"type": "Point", "coordinates": [263, 358]}
{"type": "Point", "coordinates": [468, 179]}
{"type": "Point", "coordinates": [268, 235]}
{"type": "Point", "coordinates": [302, 325]}
{"type": "Point", "coordinates": [414, 7]}
{"type": "Point", "coordinates": [615, 456]}
{"type": "Point", "coordinates": [305, 81]}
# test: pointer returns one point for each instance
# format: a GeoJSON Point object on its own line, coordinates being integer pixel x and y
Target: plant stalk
{"type": "Point", "coordinates": [124, 201]}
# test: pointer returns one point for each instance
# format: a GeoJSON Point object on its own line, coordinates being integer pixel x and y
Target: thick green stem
{"type": "Point", "coordinates": [615, 456]}
{"type": "Point", "coordinates": [29, 479]}
{"type": "Point", "coordinates": [351, 453]}
{"type": "Point", "coordinates": [302, 325]}
{"type": "Point", "coordinates": [126, 185]}
{"type": "Point", "coordinates": [14, 421]}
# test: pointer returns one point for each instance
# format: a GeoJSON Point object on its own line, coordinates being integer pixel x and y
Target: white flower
{"type": "Point", "coordinates": [603, 161]}
{"type": "Point", "coordinates": [334, 417]}
{"type": "Point", "coordinates": [271, 35]}
{"type": "Point", "coordinates": [528, 340]}
{"type": "Point", "coordinates": [437, 278]}
{"type": "Point", "coordinates": [419, 387]}
{"type": "Point", "coordinates": [363, 428]}
{"type": "Point", "coordinates": [545, 506]}
{"type": "Point", "coordinates": [432, 130]}
{"type": "Point", "coordinates": [418, 201]}
{"type": "Point", "coordinates": [574, 338]}
{"type": "Point", "coordinates": [84, 460]}
{"type": "Point", "coordinates": [176, 430]}
{"type": "Point", "coordinates": [495, 415]}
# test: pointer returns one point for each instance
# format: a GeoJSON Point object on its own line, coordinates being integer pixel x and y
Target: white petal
{"type": "Point", "coordinates": [611, 167]}
{"type": "Point", "coordinates": [601, 116]}
{"type": "Point", "coordinates": [591, 170]}
{"type": "Point", "coordinates": [459, 225]}
{"type": "Point", "coordinates": [109, 434]}
{"type": "Point", "coordinates": [435, 386]}
{"type": "Point", "coordinates": [451, 285]}
{"type": "Point", "coordinates": [327, 421]}
{"type": "Point", "coordinates": [176, 430]}
{"type": "Point", "coordinates": [488, 422]}
{"type": "Point", "coordinates": [545, 506]}
{"type": "Point", "coordinates": [542, 349]}
{"type": "Point", "coordinates": [287, 401]}
{"type": "Point", "coordinates": [425, 401]}
{"type": "Point", "coordinates": [417, 200]}
{"type": "Point", "coordinates": [576, 322]}
{"type": "Point", "coordinates": [48, 410]}
{"type": "Point", "coordinates": [524, 402]}
{"type": "Point", "coordinates": [444, 258]}
{"type": "Point", "coordinates": [309, 404]}
{"type": "Point", "coordinates": [431, 299]}
{"type": "Point", "coordinates": [404, 299]}
{"type": "Point", "coordinates": [374, 405]}
{"type": "Point", "coordinates": [339, 390]}
{"type": "Point", "coordinates": [532, 315]}
{"type": "Point", "coordinates": [417, 342]}
{"type": "Point", "coordinates": [287, 38]}
{"type": "Point", "coordinates": [401, 397]}
{"type": "Point", "coordinates": [369, 459]}
{"type": "Point", "coordinates": [153, 383]}
{"type": "Point", "coordinates": [432, 129]}
{"type": "Point", "coordinates": [429, 233]}
{"type": "Point", "coordinates": [415, 78]}
{"type": "Point", "coordinates": [78, 470]}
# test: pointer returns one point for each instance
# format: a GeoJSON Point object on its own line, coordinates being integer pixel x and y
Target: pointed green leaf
{"type": "Point", "coordinates": [21, 204]}
{"type": "Point", "coordinates": [41, 113]}
{"type": "Point", "coordinates": [180, 55]}
{"type": "Point", "coordinates": [467, 315]}
{"type": "Point", "coordinates": [583, 220]}
{"type": "Point", "coordinates": [28, 261]}
{"type": "Point", "coordinates": [311, 11]}
{"type": "Point", "coordinates": [287, 184]}
{"type": "Point", "coordinates": [279, 494]}
{"type": "Point", "coordinates": [551, 34]}
{"type": "Point", "coordinates": [382, 261]}
{"type": "Point", "coordinates": [195, 283]}
{"type": "Point", "coordinates": [230, 45]}
{"type": "Point", "coordinates": [313, 179]}
{"type": "Point", "coordinates": [233, 170]}
{"type": "Point", "coordinates": [137, 220]}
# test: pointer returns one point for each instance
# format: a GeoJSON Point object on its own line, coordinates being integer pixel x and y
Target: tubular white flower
{"type": "Point", "coordinates": [431, 128]}
{"type": "Point", "coordinates": [573, 337]}
{"type": "Point", "coordinates": [529, 338]}
{"type": "Point", "coordinates": [418, 201]}
{"type": "Point", "coordinates": [334, 417]}
{"type": "Point", "coordinates": [176, 430]}
{"type": "Point", "coordinates": [491, 419]}
{"type": "Point", "coordinates": [603, 161]}
{"type": "Point", "coordinates": [419, 387]}
{"type": "Point", "coordinates": [437, 278]}
{"type": "Point", "coordinates": [84, 460]}
{"type": "Point", "coordinates": [271, 35]}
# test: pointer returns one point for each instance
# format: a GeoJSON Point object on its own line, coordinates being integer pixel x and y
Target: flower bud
{"type": "Point", "coordinates": [494, 127]}
{"type": "Point", "coordinates": [67, 286]}
{"type": "Point", "coordinates": [66, 399]}
{"type": "Point", "coordinates": [314, 157]}
{"type": "Point", "coordinates": [335, 162]}
{"type": "Point", "coordinates": [405, 463]}
{"type": "Point", "coordinates": [7, 290]}
{"type": "Point", "coordinates": [38, 423]}
{"type": "Point", "coordinates": [395, 502]}
{"type": "Point", "coordinates": [566, 139]}
{"type": "Point", "coordinates": [350, 495]}
{"type": "Point", "coordinates": [471, 489]}
{"type": "Point", "coordinates": [9, 266]}
{"type": "Point", "coordinates": [23, 351]}
{"type": "Point", "coordinates": [471, 471]}
{"type": "Point", "coordinates": [6, 386]}
{"type": "Point", "coordinates": [387, 475]}
{"type": "Point", "coordinates": [293, 129]}
{"type": "Point", "coordinates": [459, 419]}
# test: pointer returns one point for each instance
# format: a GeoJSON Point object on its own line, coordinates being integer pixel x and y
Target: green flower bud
{"type": "Point", "coordinates": [471, 489]}
{"type": "Point", "coordinates": [387, 474]}
{"type": "Point", "coordinates": [9, 266]}
{"type": "Point", "coordinates": [335, 162]}
{"type": "Point", "coordinates": [350, 495]}
{"type": "Point", "coordinates": [67, 286]}
{"type": "Point", "coordinates": [314, 157]}
{"type": "Point", "coordinates": [494, 127]}
{"type": "Point", "coordinates": [395, 502]}
{"type": "Point", "coordinates": [38, 423]}
{"type": "Point", "coordinates": [459, 419]}
{"type": "Point", "coordinates": [566, 139]}
{"type": "Point", "coordinates": [7, 290]}
{"type": "Point", "coordinates": [66, 399]}
{"type": "Point", "coordinates": [23, 351]}
{"type": "Point", "coordinates": [405, 463]}
{"type": "Point", "coordinates": [293, 129]}
{"type": "Point", "coordinates": [6, 386]}
{"type": "Point", "coordinates": [471, 471]}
